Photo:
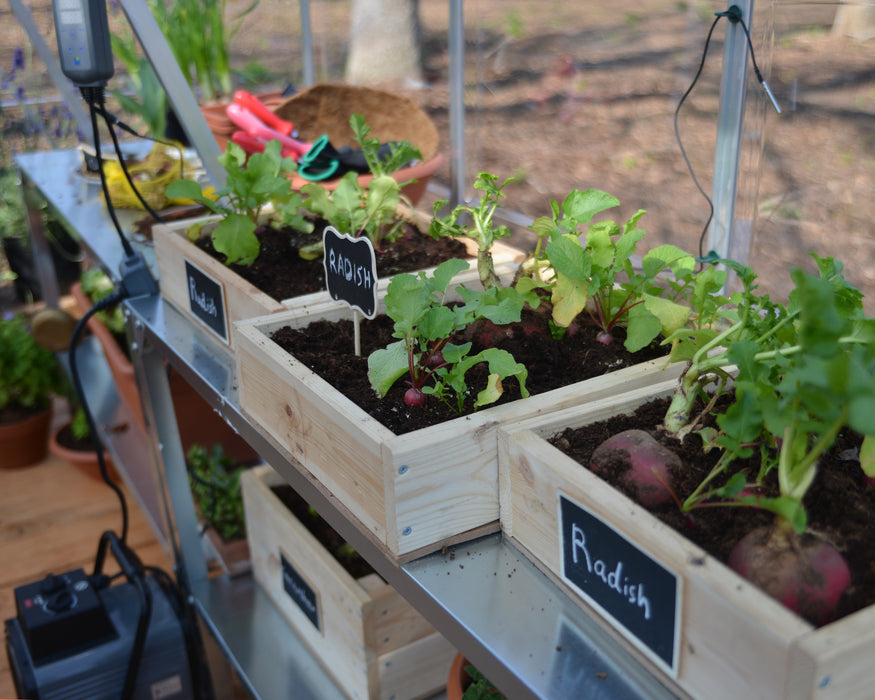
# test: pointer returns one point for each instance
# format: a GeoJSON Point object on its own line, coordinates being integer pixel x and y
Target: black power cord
{"type": "Point", "coordinates": [734, 15]}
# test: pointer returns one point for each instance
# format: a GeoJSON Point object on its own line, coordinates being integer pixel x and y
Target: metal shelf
{"type": "Point", "coordinates": [493, 604]}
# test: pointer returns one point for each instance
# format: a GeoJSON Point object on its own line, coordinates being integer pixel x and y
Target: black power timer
{"type": "Point", "coordinates": [84, 44]}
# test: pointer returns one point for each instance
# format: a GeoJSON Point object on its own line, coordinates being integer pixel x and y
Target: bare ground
{"type": "Point", "coordinates": [566, 98]}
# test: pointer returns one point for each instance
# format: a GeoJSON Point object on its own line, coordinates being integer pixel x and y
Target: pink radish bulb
{"type": "Point", "coordinates": [646, 462]}
{"type": "Point", "coordinates": [414, 397]}
{"type": "Point", "coordinates": [803, 572]}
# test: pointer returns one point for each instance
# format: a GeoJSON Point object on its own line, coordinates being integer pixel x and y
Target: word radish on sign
{"type": "Point", "coordinates": [350, 270]}
{"type": "Point", "coordinates": [206, 298]}
{"type": "Point", "coordinates": [621, 581]}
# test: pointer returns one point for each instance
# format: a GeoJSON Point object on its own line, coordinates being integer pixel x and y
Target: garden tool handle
{"type": "Point", "coordinates": [247, 121]}
{"type": "Point", "coordinates": [249, 101]}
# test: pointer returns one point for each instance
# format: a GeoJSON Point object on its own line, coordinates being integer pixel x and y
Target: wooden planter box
{"type": "Point", "coordinates": [233, 298]}
{"type": "Point", "coordinates": [725, 638]}
{"type": "Point", "coordinates": [374, 643]}
{"type": "Point", "coordinates": [413, 493]}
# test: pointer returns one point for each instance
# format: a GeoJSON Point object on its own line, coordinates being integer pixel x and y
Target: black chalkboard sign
{"type": "Point", "coordinates": [206, 299]}
{"type": "Point", "coordinates": [350, 270]}
{"type": "Point", "coordinates": [300, 591]}
{"type": "Point", "coordinates": [621, 581]}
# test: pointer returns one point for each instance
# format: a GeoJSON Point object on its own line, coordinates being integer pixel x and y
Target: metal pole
{"type": "Point", "coordinates": [307, 43]}
{"type": "Point", "coordinates": [457, 103]}
{"type": "Point", "coordinates": [175, 85]}
{"type": "Point", "coordinates": [729, 127]}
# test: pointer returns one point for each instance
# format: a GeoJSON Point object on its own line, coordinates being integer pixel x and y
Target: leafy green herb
{"type": "Point", "coordinates": [214, 478]}
{"type": "Point", "coordinates": [481, 687]}
{"type": "Point", "coordinates": [29, 374]}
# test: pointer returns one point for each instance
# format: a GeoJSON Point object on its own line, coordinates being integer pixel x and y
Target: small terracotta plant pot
{"type": "Point", "coordinates": [85, 460]}
{"type": "Point", "coordinates": [458, 679]}
{"type": "Point", "coordinates": [25, 442]}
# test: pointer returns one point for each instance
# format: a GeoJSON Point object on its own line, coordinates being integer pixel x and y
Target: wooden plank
{"type": "Point", "coordinates": [358, 619]}
{"type": "Point", "coordinates": [418, 670]}
{"type": "Point", "coordinates": [736, 641]}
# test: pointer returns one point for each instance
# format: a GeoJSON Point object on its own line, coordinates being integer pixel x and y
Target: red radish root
{"type": "Point", "coordinates": [805, 573]}
{"type": "Point", "coordinates": [645, 463]}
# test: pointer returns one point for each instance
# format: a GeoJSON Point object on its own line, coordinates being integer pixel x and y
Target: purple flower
{"type": "Point", "coordinates": [18, 58]}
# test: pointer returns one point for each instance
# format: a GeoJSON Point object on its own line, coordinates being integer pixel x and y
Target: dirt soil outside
{"type": "Point", "coordinates": [564, 97]}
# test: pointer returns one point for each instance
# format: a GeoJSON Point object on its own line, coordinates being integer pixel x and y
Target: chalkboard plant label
{"type": "Point", "coordinates": [350, 270]}
{"type": "Point", "coordinates": [300, 591]}
{"type": "Point", "coordinates": [206, 298]}
{"type": "Point", "coordinates": [621, 581]}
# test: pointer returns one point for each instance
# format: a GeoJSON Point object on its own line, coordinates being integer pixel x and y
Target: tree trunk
{"type": "Point", "coordinates": [855, 21]}
{"type": "Point", "coordinates": [384, 43]}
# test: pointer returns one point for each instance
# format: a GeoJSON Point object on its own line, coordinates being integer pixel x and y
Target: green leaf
{"type": "Point", "coordinates": [235, 238]}
{"type": "Point", "coordinates": [384, 194]}
{"type": "Point", "coordinates": [445, 272]}
{"type": "Point", "coordinates": [568, 257]}
{"type": "Point", "coordinates": [642, 327]}
{"type": "Point", "coordinates": [867, 455]}
{"type": "Point", "coordinates": [386, 366]}
{"type": "Point", "coordinates": [582, 206]}
{"type": "Point", "coordinates": [671, 315]}
{"type": "Point", "coordinates": [569, 299]}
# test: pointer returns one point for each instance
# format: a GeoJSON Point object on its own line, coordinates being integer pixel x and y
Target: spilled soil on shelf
{"type": "Point", "coordinates": [351, 560]}
{"type": "Point", "coordinates": [327, 348]}
{"type": "Point", "coordinates": [281, 273]}
{"type": "Point", "coordinates": [840, 505]}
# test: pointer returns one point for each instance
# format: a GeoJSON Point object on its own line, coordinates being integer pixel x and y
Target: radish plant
{"type": "Point", "coordinates": [370, 211]}
{"type": "Point", "coordinates": [424, 326]}
{"type": "Point", "coordinates": [483, 230]}
{"type": "Point", "coordinates": [586, 265]}
{"type": "Point", "coordinates": [254, 182]}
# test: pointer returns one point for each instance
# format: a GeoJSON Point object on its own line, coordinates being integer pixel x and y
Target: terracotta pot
{"type": "Point", "coordinates": [198, 422]}
{"type": "Point", "coordinates": [458, 679]}
{"type": "Point", "coordinates": [25, 442]}
{"type": "Point", "coordinates": [84, 460]}
{"type": "Point", "coordinates": [233, 555]}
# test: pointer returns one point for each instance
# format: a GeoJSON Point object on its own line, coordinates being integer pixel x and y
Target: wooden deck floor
{"type": "Point", "coordinates": [51, 519]}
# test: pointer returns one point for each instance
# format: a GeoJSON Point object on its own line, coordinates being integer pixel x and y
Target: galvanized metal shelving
{"type": "Point", "coordinates": [487, 599]}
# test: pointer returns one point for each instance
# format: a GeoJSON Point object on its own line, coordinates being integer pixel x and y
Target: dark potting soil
{"type": "Point", "coordinates": [351, 560]}
{"type": "Point", "coordinates": [281, 273]}
{"type": "Point", "coordinates": [840, 505]}
{"type": "Point", "coordinates": [327, 348]}
{"type": "Point", "coordinates": [66, 439]}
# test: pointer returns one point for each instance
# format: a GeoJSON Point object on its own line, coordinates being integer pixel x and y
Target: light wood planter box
{"type": "Point", "coordinates": [732, 640]}
{"type": "Point", "coordinates": [179, 259]}
{"type": "Point", "coordinates": [374, 643]}
{"type": "Point", "coordinates": [412, 493]}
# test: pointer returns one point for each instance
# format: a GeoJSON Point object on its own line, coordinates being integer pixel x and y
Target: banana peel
{"type": "Point", "coordinates": [151, 176]}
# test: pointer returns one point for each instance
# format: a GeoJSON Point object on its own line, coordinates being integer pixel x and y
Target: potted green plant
{"type": "Point", "coordinates": [465, 682]}
{"type": "Point", "coordinates": [767, 390]}
{"type": "Point", "coordinates": [214, 478]}
{"type": "Point", "coordinates": [29, 377]}
{"type": "Point", "coordinates": [72, 441]}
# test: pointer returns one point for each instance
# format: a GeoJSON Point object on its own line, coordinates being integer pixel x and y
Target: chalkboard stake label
{"type": "Point", "coordinates": [624, 583]}
{"type": "Point", "coordinates": [206, 299]}
{"type": "Point", "coordinates": [351, 275]}
{"type": "Point", "coordinates": [301, 592]}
